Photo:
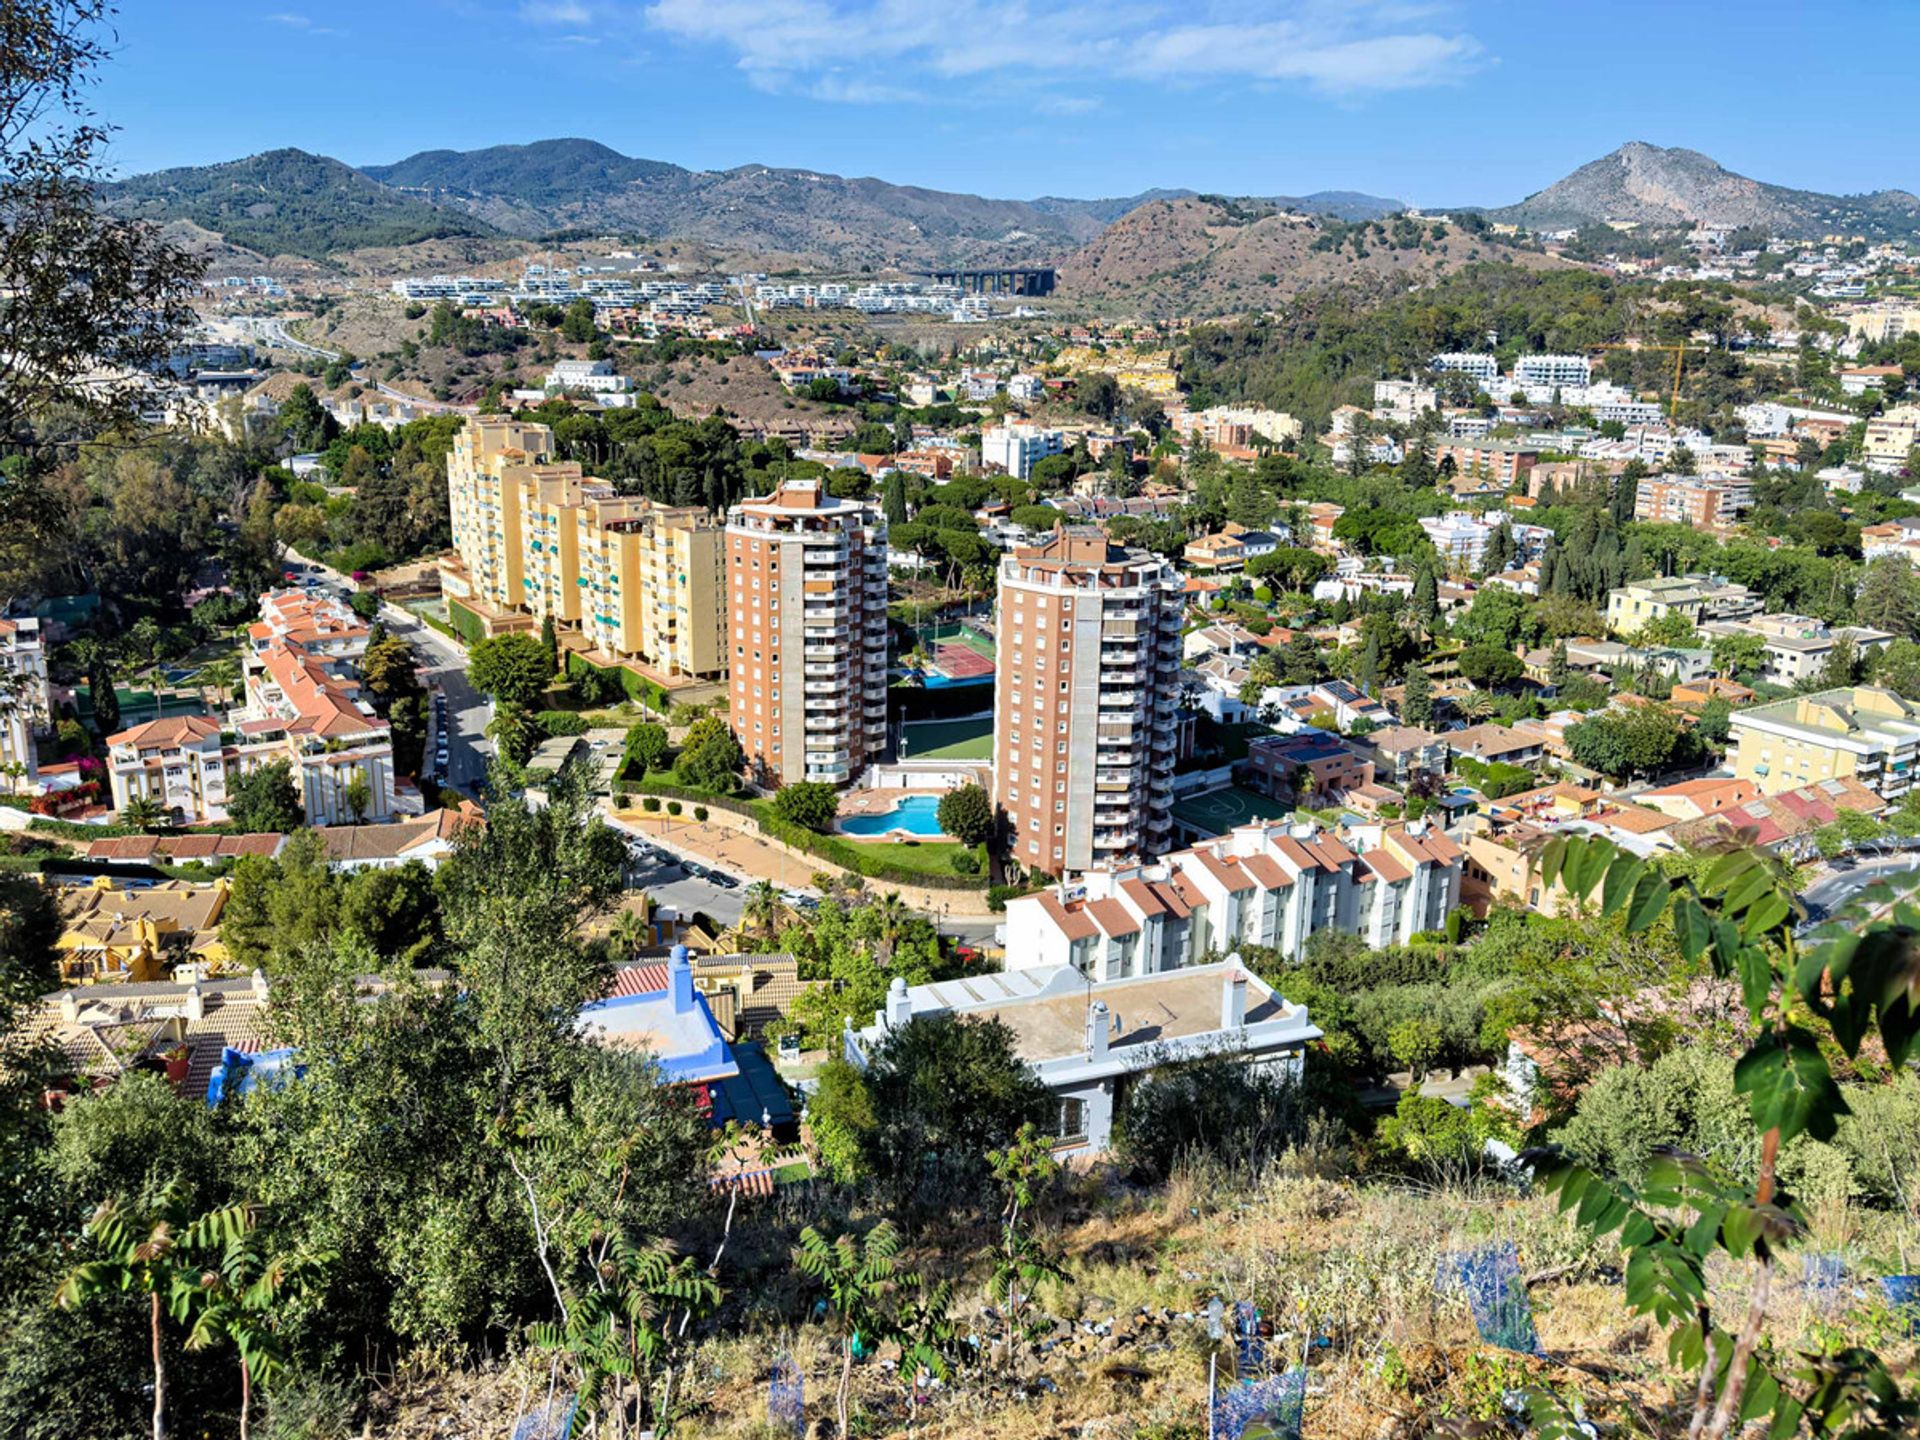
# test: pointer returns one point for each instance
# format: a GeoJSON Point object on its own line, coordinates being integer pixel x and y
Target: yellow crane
{"type": "Point", "coordinates": [1679, 360]}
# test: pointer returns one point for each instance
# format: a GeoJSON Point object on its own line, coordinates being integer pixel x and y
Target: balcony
{"type": "Point", "coordinates": [1119, 699]}
{"type": "Point", "coordinates": [823, 687]}
{"type": "Point", "coordinates": [823, 615]}
{"type": "Point", "coordinates": [818, 634]}
{"type": "Point", "coordinates": [1121, 839]}
{"type": "Point", "coordinates": [825, 671]}
{"type": "Point", "coordinates": [832, 718]}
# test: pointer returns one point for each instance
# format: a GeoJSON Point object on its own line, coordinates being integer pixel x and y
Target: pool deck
{"type": "Point", "coordinates": [880, 802]}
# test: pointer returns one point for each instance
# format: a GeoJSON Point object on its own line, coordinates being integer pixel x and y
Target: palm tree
{"type": "Point", "coordinates": [143, 812]}
{"type": "Point", "coordinates": [858, 1276]}
{"type": "Point", "coordinates": [763, 908]}
{"type": "Point", "coordinates": [631, 933]}
{"type": "Point", "coordinates": [890, 917]}
{"type": "Point", "coordinates": [221, 677]}
{"type": "Point", "coordinates": [146, 1251]}
{"type": "Point", "coordinates": [1476, 706]}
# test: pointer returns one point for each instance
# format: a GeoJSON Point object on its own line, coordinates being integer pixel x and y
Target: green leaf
{"type": "Point", "coordinates": [1553, 856]}
{"type": "Point", "coordinates": [1586, 862]}
{"type": "Point", "coordinates": [1728, 868]}
{"type": "Point", "coordinates": [1788, 1086]}
{"type": "Point", "coordinates": [1755, 965]}
{"type": "Point", "coordinates": [1764, 914]}
{"type": "Point", "coordinates": [1691, 927]}
{"type": "Point", "coordinates": [1748, 888]}
{"type": "Point", "coordinates": [1650, 895]}
{"type": "Point", "coordinates": [1622, 875]}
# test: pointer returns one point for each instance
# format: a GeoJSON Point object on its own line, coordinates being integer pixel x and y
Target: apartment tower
{"type": "Point", "coordinates": [807, 588]}
{"type": "Point", "coordinates": [1083, 733]}
{"type": "Point", "coordinates": [639, 581]}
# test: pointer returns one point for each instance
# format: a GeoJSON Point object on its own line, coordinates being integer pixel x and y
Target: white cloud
{"type": "Point", "coordinates": [876, 49]}
{"type": "Point", "coordinates": [555, 12]}
{"type": "Point", "coordinates": [302, 22]}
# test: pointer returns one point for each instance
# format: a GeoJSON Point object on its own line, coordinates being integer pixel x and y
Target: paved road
{"type": "Point", "coordinates": [443, 667]}
{"type": "Point", "coordinates": [1835, 888]}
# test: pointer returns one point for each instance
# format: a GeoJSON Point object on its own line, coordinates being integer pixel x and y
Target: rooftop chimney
{"type": "Point", "coordinates": [1233, 999]}
{"type": "Point", "coordinates": [680, 980]}
{"type": "Point", "coordinates": [69, 1006]}
{"type": "Point", "coordinates": [1097, 1028]}
{"type": "Point", "coordinates": [259, 980]}
{"type": "Point", "coordinates": [899, 1003]}
{"type": "Point", "coordinates": [196, 1003]}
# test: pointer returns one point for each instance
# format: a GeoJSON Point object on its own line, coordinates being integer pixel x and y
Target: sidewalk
{"type": "Point", "coordinates": [727, 840]}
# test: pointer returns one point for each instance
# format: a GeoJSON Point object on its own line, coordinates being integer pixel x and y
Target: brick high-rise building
{"type": "Point", "coordinates": [639, 581]}
{"type": "Point", "coordinates": [807, 611]}
{"type": "Point", "coordinates": [1083, 737]}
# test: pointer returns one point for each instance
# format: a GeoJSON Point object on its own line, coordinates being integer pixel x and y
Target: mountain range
{"type": "Point", "coordinates": [292, 203]}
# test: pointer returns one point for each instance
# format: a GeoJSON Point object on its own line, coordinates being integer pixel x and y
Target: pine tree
{"type": "Point", "coordinates": [1559, 672]}
{"type": "Point", "coordinates": [550, 639]}
{"type": "Point", "coordinates": [1426, 600]}
{"type": "Point", "coordinates": [893, 497]}
{"type": "Point", "coordinates": [1370, 665]}
{"type": "Point", "coordinates": [1416, 703]}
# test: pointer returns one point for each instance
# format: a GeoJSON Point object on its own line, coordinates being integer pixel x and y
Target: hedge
{"type": "Point", "coordinates": [637, 687]}
{"type": "Point", "coordinates": [466, 623]}
{"type": "Point", "coordinates": [561, 722]}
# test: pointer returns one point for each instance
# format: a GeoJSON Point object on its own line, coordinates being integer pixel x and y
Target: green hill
{"type": "Point", "coordinates": [287, 202]}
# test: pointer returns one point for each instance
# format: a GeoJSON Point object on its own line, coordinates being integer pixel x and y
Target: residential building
{"type": "Point", "coordinates": [1859, 732]}
{"type": "Point", "coordinates": [1505, 461]}
{"type": "Point", "coordinates": [1703, 502]}
{"type": "Point", "coordinates": [1883, 324]}
{"type": "Point", "coordinates": [1786, 822]}
{"type": "Point", "coordinates": [591, 377]}
{"type": "Point", "coordinates": [427, 838]}
{"type": "Point", "coordinates": [1230, 548]}
{"type": "Point", "coordinates": [1511, 745]}
{"type": "Point", "coordinates": [1307, 767]}
{"type": "Point", "coordinates": [673, 1025]}
{"type": "Point", "coordinates": [1347, 705]}
{"type": "Point", "coordinates": [1697, 598]}
{"type": "Point", "coordinates": [115, 935]}
{"type": "Point", "coordinates": [1083, 738]}
{"type": "Point", "coordinates": [1088, 1043]}
{"type": "Point", "coordinates": [1402, 754]}
{"type": "Point", "coordinates": [299, 708]}
{"type": "Point", "coordinates": [1890, 437]}
{"type": "Point", "coordinates": [26, 707]}
{"type": "Point", "coordinates": [1858, 379]}
{"type": "Point", "coordinates": [182, 849]}
{"type": "Point", "coordinates": [807, 606]}
{"type": "Point", "coordinates": [1401, 402]}
{"type": "Point", "coordinates": [1691, 799]}
{"type": "Point", "coordinates": [180, 763]}
{"type": "Point", "coordinates": [536, 537]}
{"type": "Point", "coordinates": [1483, 368]}
{"type": "Point", "coordinates": [1270, 884]}
{"type": "Point", "coordinates": [1015, 448]}
{"type": "Point", "coordinates": [1555, 371]}
{"type": "Point", "coordinates": [1460, 536]}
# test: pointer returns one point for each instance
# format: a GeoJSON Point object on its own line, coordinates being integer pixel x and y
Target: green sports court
{"type": "Point", "coordinates": [949, 739]}
{"type": "Point", "coordinates": [1218, 811]}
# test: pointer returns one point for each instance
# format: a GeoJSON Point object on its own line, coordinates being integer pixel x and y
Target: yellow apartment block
{"type": "Point", "coordinates": [639, 581]}
{"type": "Point", "coordinates": [1860, 731]}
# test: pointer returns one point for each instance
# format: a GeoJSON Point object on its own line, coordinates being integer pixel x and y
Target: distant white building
{"type": "Point", "coordinates": [1483, 368]}
{"type": "Point", "coordinates": [25, 705]}
{"type": "Point", "coordinates": [1017, 448]}
{"type": "Point", "coordinates": [593, 377]}
{"type": "Point", "coordinates": [1552, 370]}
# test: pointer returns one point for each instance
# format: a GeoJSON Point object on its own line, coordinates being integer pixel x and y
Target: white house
{"type": "Point", "coordinates": [1089, 1042]}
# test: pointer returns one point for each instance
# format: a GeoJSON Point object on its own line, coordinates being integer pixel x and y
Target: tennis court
{"type": "Point", "coordinates": [1218, 811]}
{"type": "Point", "coordinates": [962, 662]}
{"type": "Point", "coordinates": [949, 739]}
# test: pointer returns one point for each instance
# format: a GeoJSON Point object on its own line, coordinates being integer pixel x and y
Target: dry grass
{"type": "Point", "coordinates": [1345, 1273]}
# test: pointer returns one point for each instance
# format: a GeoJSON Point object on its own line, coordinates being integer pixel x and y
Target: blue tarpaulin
{"type": "Point", "coordinates": [786, 1400]}
{"type": "Point", "coordinates": [550, 1422]}
{"type": "Point", "coordinates": [238, 1072]}
{"type": "Point", "coordinates": [1490, 1277]}
{"type": "Point", "coordinates": [1269, 1409]}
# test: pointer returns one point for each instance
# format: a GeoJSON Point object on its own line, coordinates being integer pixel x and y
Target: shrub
{"type": "Point", "coordinates": [562, 722]}
{"type": "Point", "coordinates": [1215, 1106]}
{"type": "Point", "coordinates": [650, 802]}
{"type": "Point", "coordinates": [967, 814]}
{"type": "Point", "coordinates": [673, 807]}
{"type": "Point", "coordinates": [810, 804]}
{"type": "Point", "coordinates": [700, 813]}
{"type": "Point", "coordinates": [965, 862]}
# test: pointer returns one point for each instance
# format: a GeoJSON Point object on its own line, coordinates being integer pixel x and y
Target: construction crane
{"type": "Point", "coordinates": [1679, 360]}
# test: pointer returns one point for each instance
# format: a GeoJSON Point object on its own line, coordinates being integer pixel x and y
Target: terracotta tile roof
{"type": "Point", "coordinates": [1267, 872]}
{"type": "Point", "coordinates": [1173, 898]}
{"type": "Point", "coordinates": [1385, 866]}
{"type": "Point", "coordinates": [170, 730]}
{"type": "Point", "coordinates": [1143, 897]}
{"type": "Point", "coordinates": [1072, 922]}
{"type": "Point", "coordinates": [1223, 870]}
{"type": "Point", "coordinates": [643, 979]}
{"type": "Point", "coordinates": [1634, 819]}
{"type": "Point", "coordinates": [323, 706]}
{"type": "Point", "coordinates": [1112, 917]}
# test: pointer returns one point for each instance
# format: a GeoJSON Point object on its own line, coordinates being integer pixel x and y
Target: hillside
{"type": "Point", "coordinates": [1208, 256]}
{"type": "Point", "coordinates": [1672, 187]}
{"type": "Point", "coordinates": [287, 202]}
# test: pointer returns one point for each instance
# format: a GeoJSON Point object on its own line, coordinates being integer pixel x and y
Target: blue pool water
{"type": "Point", "coordinates": [916, 814]}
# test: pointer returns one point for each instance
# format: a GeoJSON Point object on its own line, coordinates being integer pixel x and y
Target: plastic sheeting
{"type": "Point", "coordinates": [786, 1399]}
{"type": "Point", "coordinates": [1490, 1278]}
{"type": "Point", "coordinates": [1903, 1297]}
{"type": "Point", "coordinates": [552, 1421]}
{"type": "Point", "coordinates": [238, 1072]}
{"type": "Point", "coordinates": [1268, 1409]}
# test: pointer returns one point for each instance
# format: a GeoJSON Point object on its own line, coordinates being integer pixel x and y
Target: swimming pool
{"type": "Point", "coordinates": [915, 815]}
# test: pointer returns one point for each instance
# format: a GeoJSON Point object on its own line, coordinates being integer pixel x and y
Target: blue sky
{"type": "Point", "coordinates": [1480, 101]}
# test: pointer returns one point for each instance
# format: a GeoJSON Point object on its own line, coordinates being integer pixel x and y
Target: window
{"type": "Point", "coordinates": [1072, 1122]}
